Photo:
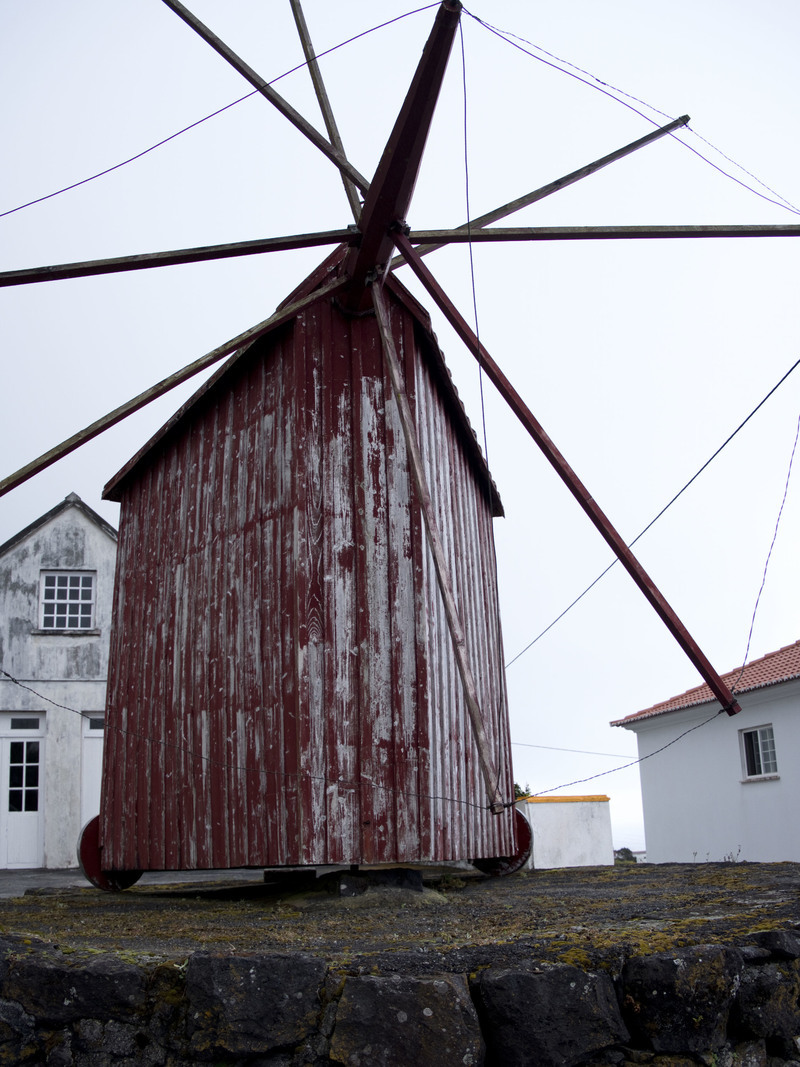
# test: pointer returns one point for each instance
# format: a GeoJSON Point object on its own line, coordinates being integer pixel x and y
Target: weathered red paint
{"type": "Point", "coordinates": [282, 687]}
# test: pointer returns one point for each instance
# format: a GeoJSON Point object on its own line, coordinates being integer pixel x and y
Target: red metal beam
{"type": "Point", "coordinates": [554, 186]}
{"type": "Point", "coordinates": [390, 190]}
{"type": "Point", "coordinates": [571, 480]}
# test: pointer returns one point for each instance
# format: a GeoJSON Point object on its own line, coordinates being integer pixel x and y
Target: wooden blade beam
{"type": "Point", "coordinates": [457, 636]}
{"type": "Point", "coordinates": [266, 90]}
{"type": "Point", "coordinates": [393, 184]}
{"type": "Point", "coordinates": [593, 233]}
{"type": "Point", "coordinates": [148, 260]}
{"type": "Point", "coordinates": [571, 480]}
{"type": "Point", "coordinates": [164, 386]}
{"type": "Point", "coordinates": [351, 192]}
{"type": "Point", "coordinates": [554, 186]}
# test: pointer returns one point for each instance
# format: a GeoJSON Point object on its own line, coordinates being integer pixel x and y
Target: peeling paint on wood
{"type": "Point", "coordinates": [283, 687]}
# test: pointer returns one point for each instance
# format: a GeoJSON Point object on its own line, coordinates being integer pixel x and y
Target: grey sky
{"type": "Point", "coordinates": [639, 358]}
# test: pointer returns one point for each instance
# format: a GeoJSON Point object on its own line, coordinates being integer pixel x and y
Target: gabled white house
{"type": "Point", "coordinates": [56, 588]}
{"type": "Point", "coordinates": [729, 789]}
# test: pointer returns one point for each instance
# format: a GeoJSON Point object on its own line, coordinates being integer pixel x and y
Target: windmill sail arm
{"type": "Point", "coordinates": [350, 188]}
{"type": "Point", "coordinates": [554, 186]}
{"type": "Point", "coordinates": [571, 480]}
{"type": "Point", "coordinates": [594, 233]}
{"type": "Point", "coordinates": [148, 260]}
{"type": "Point", "coordinates": [159, 389]}
{"type": "Point", "coordinates": [266, 90]}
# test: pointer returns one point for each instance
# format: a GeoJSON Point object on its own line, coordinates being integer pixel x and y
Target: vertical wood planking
{"type": "Point", "coordinates": [343, 819]}
{"type": "Point", "coordinates": [292, 693]}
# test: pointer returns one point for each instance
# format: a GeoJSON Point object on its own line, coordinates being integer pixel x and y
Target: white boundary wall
{"type": "Point", "coordinates": [569, 831]}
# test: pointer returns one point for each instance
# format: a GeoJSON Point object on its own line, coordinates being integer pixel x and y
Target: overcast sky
{"type": "Point", "coordinates": [639, 358]}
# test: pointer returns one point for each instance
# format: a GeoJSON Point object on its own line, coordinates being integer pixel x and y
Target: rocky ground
{"type": "Point", "coordinates": [589, 917]}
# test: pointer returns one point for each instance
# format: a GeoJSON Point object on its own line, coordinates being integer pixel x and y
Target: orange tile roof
{"type": "Point", "coordinates": [771, 669]}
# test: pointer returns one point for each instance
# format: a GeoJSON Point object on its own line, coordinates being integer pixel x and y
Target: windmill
{"type": "Point", "coordinates": [365, 268]}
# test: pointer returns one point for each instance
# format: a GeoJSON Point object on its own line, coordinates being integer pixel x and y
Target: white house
{"type": "Point", "coordinates": [728, 788]}
{"type": "Point", "coordinates": [569, 831]}
{"type": "Point", "coordinates": [56, 587]}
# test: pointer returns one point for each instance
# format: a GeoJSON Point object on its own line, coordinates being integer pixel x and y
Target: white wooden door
{"type": "Point", "coordinates": [21, 792]}
{"type": "Point", "coordinates": [91, 766]}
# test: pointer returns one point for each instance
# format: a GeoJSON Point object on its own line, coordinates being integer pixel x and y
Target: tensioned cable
{"type": "Point", "coordinates": [593, 82]}
{"type": "Point", "coordinates": [680, 492]}
{"type": "Point", "coordinates": [633, 763]}
{"type": "Point", "coordinates": [613, 770]}
{"type": "Point", "coordinates": [769, 556]}
{"type": "Point", "coordinates": [219, 111]}
{"type": "Point", "coordinates": [243, 768]}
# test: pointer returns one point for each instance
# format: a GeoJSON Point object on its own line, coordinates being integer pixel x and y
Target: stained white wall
{"type": "Point", "coordinates": [569, 831]}
{"type": "Point", "coordinates": [697, 804]}
{"type": "Point", "coordinates": [69, 670]}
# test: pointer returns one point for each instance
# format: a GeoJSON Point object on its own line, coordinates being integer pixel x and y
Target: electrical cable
{"type": "Point", "coordinates": [219, 111]}
{"type": "Point", "coordinates": [680, 492]}
{"type": "Point", "coordinates": [593, 82]}
{"type": "Point", "coordinates": [633, 763]}
{"type": "Point", "coordinates": [769, 556]}
{"type": "Point", "coordinates": [210, 761]}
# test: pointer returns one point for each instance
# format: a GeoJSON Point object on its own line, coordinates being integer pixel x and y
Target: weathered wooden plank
{"type": "Point", "coordinates": [343, 817]}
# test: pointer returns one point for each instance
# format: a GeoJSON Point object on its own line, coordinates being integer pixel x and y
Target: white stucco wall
{"type": "Point", "coordinates": [697, 804]}
{"type": "Point", "coordinates": [569, 831]}
{"type": "Point", "coordinates": [70, 670]}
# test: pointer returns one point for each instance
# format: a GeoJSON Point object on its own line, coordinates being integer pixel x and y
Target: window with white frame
{"type": "Point", "coordinates": [758, 752]}
{"type": "Point", "coordinates": [67, 600]}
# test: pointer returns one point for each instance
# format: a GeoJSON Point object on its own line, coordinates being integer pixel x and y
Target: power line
{"type": "Point", "coordinates": [577, 751]}
{"type": "Point", "coordinates": [213, 114]}
{"type": "Point", "coordinates": [633, 763]}
{"type": "Point", "coordinates": [769, 556]}
{"type": "Point", "coordinates": [593, 82]}
{"type": "Point", "coordinates": [666, 507]}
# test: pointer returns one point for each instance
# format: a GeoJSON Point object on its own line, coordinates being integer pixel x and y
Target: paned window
{"type": "Point", "coordinates": [67, 601]}
{"type": "Point", "coordinates": [23, 776]}
{"type": "Point", "coordinates": [758, 752]}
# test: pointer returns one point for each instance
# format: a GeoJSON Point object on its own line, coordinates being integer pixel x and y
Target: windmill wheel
{"type": "Point", "coordinates": [89, 862]}
{"type": "Point", "coordinates": [497, 866]}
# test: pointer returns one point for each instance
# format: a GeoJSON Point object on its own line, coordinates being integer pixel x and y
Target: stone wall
{"type": "Point", "coordinates": [722, 1006]}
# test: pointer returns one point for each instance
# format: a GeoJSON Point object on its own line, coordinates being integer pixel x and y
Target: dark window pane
{"type": "Point", "coordinates": [25, 724]}
{"type": "Point", "coordinates": [62, 581]}
{"type": "Point", "coordinates": [15, 777]}
{"type": "Point", "coordinates": [31, 751]}
{"type": "Point", "coordinates": [31, 776]}
{"type": "Point", "coordinates": [31, 799]}
{"type": "Point", "coordinates": [49, 581]}
{"type": "Point", "coordinates": [17, 751]}
{"type": "Point", "coordinates": [751, 752]}
{"type": "Point", "coordinates": [15, 800]}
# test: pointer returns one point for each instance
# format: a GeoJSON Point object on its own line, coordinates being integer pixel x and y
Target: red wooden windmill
{"type": "Point", "coordinates": [307, 662]}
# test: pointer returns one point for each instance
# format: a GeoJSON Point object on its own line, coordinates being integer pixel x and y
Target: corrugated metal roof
{"type": "Point", "coordinates": [779, 666]}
